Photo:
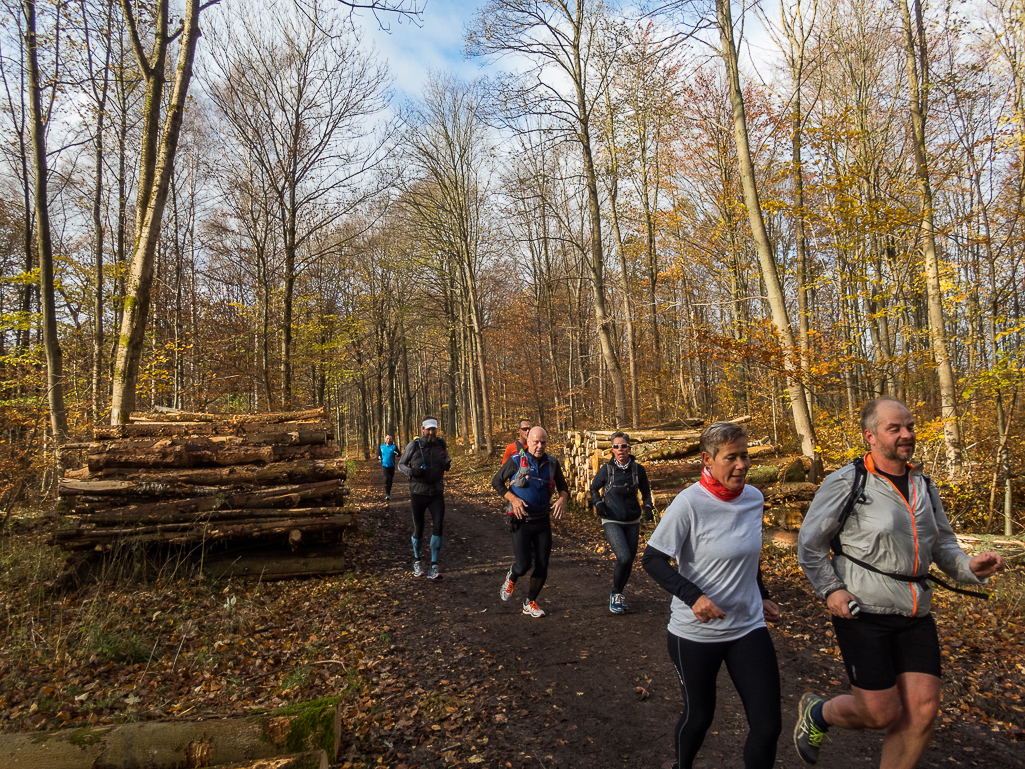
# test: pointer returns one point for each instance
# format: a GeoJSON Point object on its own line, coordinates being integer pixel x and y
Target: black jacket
{"type": "Point", "coordinates": [425, 464]}
{"type": "Point", "coordinates": [614, 492]}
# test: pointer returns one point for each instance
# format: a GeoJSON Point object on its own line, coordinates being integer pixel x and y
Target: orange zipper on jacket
{"type": "Point", "coordinates": [871, 467]}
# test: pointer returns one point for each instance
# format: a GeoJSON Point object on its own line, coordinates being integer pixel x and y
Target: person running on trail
{"type": "Point", "coordinates": [614, 494]}
{"type": "Point", "coordinates": [884, 521]}
{"type": "Point", "coordinates": [520, 442]}
{"type": "Point", "coordinates": [720, 607]}
{"type": "Point", "coordinates": [389, 453]}
{"type": "Point", "coordinates": [425, 461]}
{"type": "Point", "coordinates": [527, 481]}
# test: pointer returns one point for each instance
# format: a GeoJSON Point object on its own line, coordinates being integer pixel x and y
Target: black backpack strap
{"type": "Point", "coordinates": [922, 580]}
{"type": "Point", "coordinates": [857, 489]}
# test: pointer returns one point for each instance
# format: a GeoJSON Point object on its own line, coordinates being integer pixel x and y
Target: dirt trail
{"type": "Point", "coordinates": [563, 691]}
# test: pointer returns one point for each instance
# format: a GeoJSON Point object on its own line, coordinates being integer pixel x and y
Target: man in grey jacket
{"type": "Point", "coordinates": [877, 593]}
{"type": "Point", "coordinates": [425, 461]}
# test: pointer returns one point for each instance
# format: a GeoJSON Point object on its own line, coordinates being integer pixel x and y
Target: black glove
{"type": "Point", "coordinates": [600, 509]}
{"type": "Point", "coordinates": [649, 513]}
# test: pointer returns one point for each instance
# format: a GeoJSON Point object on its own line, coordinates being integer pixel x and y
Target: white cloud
{"type": "Point", "coordinates": [437, 44]}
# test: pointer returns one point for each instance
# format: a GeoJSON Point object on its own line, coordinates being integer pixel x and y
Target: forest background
{"type": "Point", "coordinates": [221, 207]}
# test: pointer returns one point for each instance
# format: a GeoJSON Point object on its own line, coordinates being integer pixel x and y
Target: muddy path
{"type": "Point", "coordinates": [581, 687]}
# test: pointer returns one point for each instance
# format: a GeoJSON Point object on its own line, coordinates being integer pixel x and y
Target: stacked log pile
{"type": "Point", "coordinates": [176, 478]}
{"type": "Point", "coordinates": [586, 451]}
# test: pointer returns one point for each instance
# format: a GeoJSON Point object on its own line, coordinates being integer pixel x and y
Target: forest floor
{"type": "Point", "coordinates": [444, 674]}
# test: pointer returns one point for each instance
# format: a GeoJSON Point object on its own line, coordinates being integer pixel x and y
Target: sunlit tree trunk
{"type": "Point", "coordinates": [917, 63]}
{"type": "Point", "coordinates": [770, 273]}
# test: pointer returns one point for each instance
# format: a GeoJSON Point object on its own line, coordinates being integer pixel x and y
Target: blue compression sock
{"type": "Point", "coordinates": [416, 548]}
{"type": "Point", "coordinates": [435, 548]}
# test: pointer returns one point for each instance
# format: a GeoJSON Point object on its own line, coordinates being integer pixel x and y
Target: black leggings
{"type": "Point", "coordinates": [751, 663]}
{"type": "Point", "coordinates": [422, 503]}
{"type": "Point", "coordinates": [532, 541]}
{"type": "Point", "coordinates": [389, 476]}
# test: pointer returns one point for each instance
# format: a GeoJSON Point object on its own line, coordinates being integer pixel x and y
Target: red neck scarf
{"type": "Point", "coordinates": [717, 489]}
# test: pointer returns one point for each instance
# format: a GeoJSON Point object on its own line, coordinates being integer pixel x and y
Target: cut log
{"type": "Point", "coordinates": [178, 744]}
{"type": "Point", "coordinates": [193, 533]}
{"type": "Point", "coordinates": [270, 418]}
{"type": "Point", "coordinates": [212, 442]}
{"type": "Point", "coordinates": [72, 487]}
{"type": "Point", "coordinates": [299, 471]}
{"type": "Point", "coordinates": [676, 424]}
{"type": "Point", "coordinates": [104, 518]}
{"type": "Point", "coordinates": [277, 500]}
{"type": "Point", "coordinates": [171, 429]}
{"type": "Point", "coordinates": [182, 456]}
{"type": "Point", "coordinates": [645, 436]}
{"type": "Point", "coordinates": [314, 760]}
{"type": "Point", "coordinates": [671, 451]}
{"type": "Point", "coordinates": [267, 566]}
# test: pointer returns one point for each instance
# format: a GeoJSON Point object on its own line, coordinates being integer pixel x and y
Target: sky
{"type": "Point", "coordinates": [437, 44]}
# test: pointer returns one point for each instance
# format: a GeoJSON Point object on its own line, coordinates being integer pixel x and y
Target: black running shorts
{"type": "Point", "coordinates": [876, 648]}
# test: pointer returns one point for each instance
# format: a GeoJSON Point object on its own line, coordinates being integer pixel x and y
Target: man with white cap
{"type": "Point", "coordinates": [424, 461]}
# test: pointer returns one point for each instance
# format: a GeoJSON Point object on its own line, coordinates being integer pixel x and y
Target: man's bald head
{"type": "Point", "coordinates": [537, 442]}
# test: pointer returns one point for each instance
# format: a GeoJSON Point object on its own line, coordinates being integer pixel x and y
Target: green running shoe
{"type": "Point", "coordinates": [807, 736]}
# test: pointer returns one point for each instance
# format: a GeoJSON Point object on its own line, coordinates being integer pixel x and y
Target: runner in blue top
{"type": "Point", "coordinates": [389, 453]}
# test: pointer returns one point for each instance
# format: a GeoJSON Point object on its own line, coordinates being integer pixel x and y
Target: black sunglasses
{"type": "Point", "coordinates": [620, 445]}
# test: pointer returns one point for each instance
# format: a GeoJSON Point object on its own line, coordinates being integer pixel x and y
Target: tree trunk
{"type": "Point", "coordinates": [44, 243]}
{"type": "Point", "coordinates": [156, 164]}
{"type": "Point", "coordinates": [917, 63]}
{"type": "Point", "coordinates": [175, 744]}
{"type": "Point", "coordinates": [766, 259]}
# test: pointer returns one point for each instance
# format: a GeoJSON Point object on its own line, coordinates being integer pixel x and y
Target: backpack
{"type": "Point", "coordinates": [612, 474]}
{"type": "Point", "coordinates": [857, 495]}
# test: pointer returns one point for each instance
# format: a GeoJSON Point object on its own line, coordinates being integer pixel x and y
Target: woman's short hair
{"type": "Point", "coordinates": [619, 434]}
{"type": "Point", "coordinates": [718, 434]}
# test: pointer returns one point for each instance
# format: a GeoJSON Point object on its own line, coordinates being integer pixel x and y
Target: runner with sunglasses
{"type": "Point", "coordinates": [519, 443]}
{"type": "Point", "coordinates": [614, 494]}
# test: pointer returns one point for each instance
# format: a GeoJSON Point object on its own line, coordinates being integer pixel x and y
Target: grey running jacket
{"type": "Point", "coordinates": [425, 464]}
{"type": "Point", "coordinates": [893, 535]}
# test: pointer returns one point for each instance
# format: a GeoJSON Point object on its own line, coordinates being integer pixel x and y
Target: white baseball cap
{"type": "Point", "coordinates": [428, 423]}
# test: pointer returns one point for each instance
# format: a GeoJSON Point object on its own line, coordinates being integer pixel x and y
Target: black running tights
{"type": "Point", "coordinates": [751, 663]}
{"type": "Point", "coordinates": [421, 503]}
{"type": "Point", "coordinates": [532, 541]}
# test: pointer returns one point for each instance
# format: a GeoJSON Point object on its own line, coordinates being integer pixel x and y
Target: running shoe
{"type": "Point", "coordinates": [807, 736]}
{"type": "Point", "coordinates": [433, 573]}
{"type": "Point", "coordinates": [617, 604]}
{"type": "Point", "coordinates": [531, 608]}
{"type": "Point", "coordinates": [507, 588]}
{"type": "Point", "coordinates": [387, 496]}
{"type": "Point", "coordinates": [418, 569]}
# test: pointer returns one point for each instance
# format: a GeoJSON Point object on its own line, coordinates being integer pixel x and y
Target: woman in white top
{"type": "Point", "coordinates": [720, 607]}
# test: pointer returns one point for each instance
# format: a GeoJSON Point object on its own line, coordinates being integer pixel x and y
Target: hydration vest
{"type": "Point", "coordinates": [529, 485]}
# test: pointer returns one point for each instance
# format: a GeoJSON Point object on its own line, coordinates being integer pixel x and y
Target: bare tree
{"type": "Point", "coordinates": [560, 41]}
{"type": "Point", "coordinates": [298, 98]}
{"type": "Point", "coordinates": [448, 145]}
